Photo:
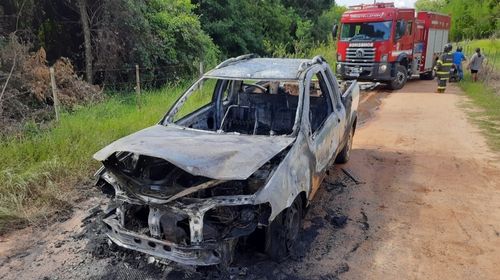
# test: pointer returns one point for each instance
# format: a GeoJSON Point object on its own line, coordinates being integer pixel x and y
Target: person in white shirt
{"type": "Point", "coordinates": [475, 64]}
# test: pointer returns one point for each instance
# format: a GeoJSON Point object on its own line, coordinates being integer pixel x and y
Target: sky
{"type": "Point", "coordinates": [398, 3]}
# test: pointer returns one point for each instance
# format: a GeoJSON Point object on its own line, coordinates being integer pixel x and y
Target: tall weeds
{"type": "Point", "coordinates": [40, 167]}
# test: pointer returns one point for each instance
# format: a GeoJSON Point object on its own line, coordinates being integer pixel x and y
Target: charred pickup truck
{"type": "Point", "coordinates": [243, 150]}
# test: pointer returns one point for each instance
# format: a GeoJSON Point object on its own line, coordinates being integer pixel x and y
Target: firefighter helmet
{"type": "Point", "coordinates": [447, 48]}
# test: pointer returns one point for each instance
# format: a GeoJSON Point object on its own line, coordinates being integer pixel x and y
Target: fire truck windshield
{"type": "Point", "coordinates": [370, 31]}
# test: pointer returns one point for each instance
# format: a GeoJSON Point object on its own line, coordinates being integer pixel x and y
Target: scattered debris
{"type": "Point", "coordinates": [352, 175]}
{"type": "Point", "coordinates": [339, 221]}
{"type": "Point", "coordinates": [364, 221]}
{"type": "Point", "coordinates": [59, 243]}
{"type": "Point", "coordinates": [356, 246]}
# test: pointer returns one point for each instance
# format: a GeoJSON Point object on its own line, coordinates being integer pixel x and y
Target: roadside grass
{"type": "Point", "coordinates": [482, 94]}
{"type": "Point", "coordinates": [489, 47]}
{"type": "Point", "coordinates": [327, 50]}
{"type": "Point", "coordinates": [41, 169]}
{"type": "Point", "coordinates": [488, 115]}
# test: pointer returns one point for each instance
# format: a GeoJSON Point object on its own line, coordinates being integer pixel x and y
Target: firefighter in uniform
{"type": "Point", "coordinates": [442, 68]}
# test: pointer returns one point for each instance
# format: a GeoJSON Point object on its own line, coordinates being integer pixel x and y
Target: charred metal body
{"type": "Point", "coordinates": [188, 188]}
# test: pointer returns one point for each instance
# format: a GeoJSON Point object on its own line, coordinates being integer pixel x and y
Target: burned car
{"type": "Point", "coordinates": [244, 149]}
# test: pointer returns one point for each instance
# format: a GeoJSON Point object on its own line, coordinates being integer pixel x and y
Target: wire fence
{"type": "Point", "coordinates": [130, 80]}
{"type": "Point", "coordinates": [125, 79]}
{"type": "Point", "coordinates": [491, 63]}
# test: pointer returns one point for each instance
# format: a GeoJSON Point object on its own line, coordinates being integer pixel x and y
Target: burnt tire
{"type": "Point", "coordinates": [399, 79]}
{"type": "Point", "coordinates": [345, 154]}
{"type": "Point", "coordinates": [283, 232]}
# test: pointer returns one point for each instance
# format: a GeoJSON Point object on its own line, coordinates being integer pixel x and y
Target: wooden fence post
{"type": "Point", "coordinates": [138, 86]}
{"type": "Point", "coordinates": [54, 92]}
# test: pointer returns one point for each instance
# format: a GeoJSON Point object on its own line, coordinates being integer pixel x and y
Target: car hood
{"type": "Point", "coordinates": [203, 153]}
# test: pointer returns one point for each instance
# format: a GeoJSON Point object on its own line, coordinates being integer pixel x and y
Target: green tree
{"type": "Point", "coordinates": [180, 38]}
{"type": "Point", "coordinates": [158, 34]}
{"type": "Point", "coordinates": [232, 25]}
{"type": "Point", "coordinates": [242, 26]}
{"type": "Point", "coordinates": [470, 19]}
{"type": "Point", "coordinates": [323, 27]}
{"type": "Point", "coordinates": [429, 5]}
{"type": "Point", "coordinates": [164, 36]}
{"type": "Point", "coordinates": [309, 9]}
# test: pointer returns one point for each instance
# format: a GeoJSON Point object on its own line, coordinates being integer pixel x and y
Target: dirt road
{"type": "Point", "coordinates": [433, 188]}
{"type": "Point", "coordinates": [428, 207]}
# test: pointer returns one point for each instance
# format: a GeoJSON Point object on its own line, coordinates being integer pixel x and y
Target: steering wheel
{"type": "Point", "coordinates": [262, 88]}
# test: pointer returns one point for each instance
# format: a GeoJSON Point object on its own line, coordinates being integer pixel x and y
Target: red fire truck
{"type": "Point", "coordinates": [382, 43]}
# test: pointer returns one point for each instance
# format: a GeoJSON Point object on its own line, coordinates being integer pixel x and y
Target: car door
{"type": "Point", "coordinates": [323, 121]}
{"type": "Point", "coordinates": [342, 107]}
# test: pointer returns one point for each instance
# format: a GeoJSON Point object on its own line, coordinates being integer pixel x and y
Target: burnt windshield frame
{"type": "Point", "coordinates": [222, 85]}
{"type": "Point", "coordinates": [352, 31]}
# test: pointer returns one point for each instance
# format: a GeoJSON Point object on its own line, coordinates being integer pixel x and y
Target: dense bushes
{"type": "Point", "coordinates": [167, 38]}
{"type": "Point", "coordinates": [267, 27]}
{"type": "Point", "coordinates": [102, 41]}
{"type": "Point", "coordinates": [163, 36]}
{"type": "Point", "coordinates": [239, 27]}
{"type": "Point", "coordinates": [160, 35]}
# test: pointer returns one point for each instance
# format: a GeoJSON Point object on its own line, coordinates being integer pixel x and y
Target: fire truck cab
{"type": "Point", "coordinates": [379, 42]}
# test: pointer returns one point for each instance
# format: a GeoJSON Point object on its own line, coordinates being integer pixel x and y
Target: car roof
{"type": "Point", "coordinates": [248, 67]}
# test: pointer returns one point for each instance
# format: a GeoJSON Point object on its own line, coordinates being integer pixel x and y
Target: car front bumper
{"type": "Point", "coordinates": [204, 254]}
{"type": "Point", "coordinates": [365, 71]}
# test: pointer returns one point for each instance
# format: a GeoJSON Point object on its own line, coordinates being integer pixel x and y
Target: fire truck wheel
{"type": "Point", "coordinates": [400, 78]}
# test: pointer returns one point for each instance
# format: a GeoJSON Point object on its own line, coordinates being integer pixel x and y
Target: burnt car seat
{"type": "Point", "coordinates": [241, 119]}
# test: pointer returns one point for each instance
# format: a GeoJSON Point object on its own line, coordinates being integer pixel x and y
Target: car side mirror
{"type": "Point", "coordinates": [334, 31]}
